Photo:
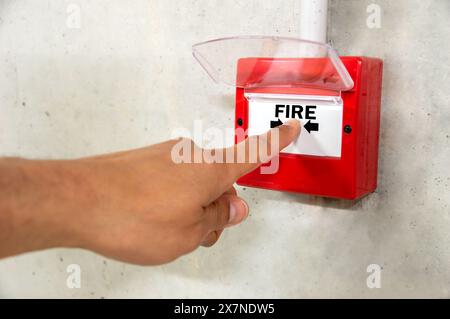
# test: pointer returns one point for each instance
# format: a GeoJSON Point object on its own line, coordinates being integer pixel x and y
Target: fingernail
{"type": "Point", "coordinates": [238, 211]}
{"type": "Point", "coordinates": [295, 124]}
{"type": "Point", "coordinates": [292, 122]}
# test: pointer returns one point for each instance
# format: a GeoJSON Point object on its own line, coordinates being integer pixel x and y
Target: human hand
{"type": "Point", "coordinates": [139, 206]}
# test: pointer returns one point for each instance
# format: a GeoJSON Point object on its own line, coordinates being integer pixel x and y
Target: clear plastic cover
{"type": "Point", "coordinates": [260, 61]}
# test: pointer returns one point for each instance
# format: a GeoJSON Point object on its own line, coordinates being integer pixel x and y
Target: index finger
{"type": "Point", "coordinates": [260, 149]}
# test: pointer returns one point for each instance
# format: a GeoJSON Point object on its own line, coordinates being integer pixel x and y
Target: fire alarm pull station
{"type": "Point", "coordinates": [336, 99]}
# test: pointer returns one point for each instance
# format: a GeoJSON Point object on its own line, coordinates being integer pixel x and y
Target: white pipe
{"type": "Point", "coordinates": [313, 20]}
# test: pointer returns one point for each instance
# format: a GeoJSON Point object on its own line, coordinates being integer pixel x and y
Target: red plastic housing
{"type": "Point", "coordinates": [351, 176]}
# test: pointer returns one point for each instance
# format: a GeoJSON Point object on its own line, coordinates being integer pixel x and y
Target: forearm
{"type": "Point", "coordinates": [35, 205]}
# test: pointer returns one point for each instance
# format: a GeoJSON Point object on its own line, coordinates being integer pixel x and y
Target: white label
{"type": "Point", "coordinates": [321, 118]}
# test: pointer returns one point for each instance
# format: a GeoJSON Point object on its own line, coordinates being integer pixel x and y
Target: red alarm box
{"type": "Point", "coordinates": [337, 101]}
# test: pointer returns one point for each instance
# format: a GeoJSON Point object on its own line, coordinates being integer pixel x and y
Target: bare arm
{"type": "Point", "coordinates": [137, 206]}
{"type": "Point", "coordinates": [37, 205]}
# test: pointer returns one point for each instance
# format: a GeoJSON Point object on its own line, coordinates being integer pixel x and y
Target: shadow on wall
{"type": "Point", "coordinates": [325, 202]}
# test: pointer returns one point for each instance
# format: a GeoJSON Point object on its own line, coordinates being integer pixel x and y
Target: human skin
{"type": "Point", "coordinates": [136, 206]}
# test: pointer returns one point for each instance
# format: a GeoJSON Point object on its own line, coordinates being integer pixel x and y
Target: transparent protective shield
{"type": "Point", "coordinates": [260, 61]}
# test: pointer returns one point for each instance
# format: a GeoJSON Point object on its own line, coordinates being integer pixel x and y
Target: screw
{"type": "Point", "coordinates": [347, 129]}
{"type": "Point", "coordinates": [240, 122]}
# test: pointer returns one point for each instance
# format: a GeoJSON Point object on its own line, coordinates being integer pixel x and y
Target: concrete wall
{"type": "Point", "coordinates": [125, 78]}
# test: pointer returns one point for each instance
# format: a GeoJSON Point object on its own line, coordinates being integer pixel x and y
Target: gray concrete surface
{"type": "Point", "coordinates": [125, 78]}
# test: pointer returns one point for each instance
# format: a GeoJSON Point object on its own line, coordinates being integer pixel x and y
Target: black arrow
{"type": "Point", "coordinates": [311, 126]}
{"type": "Point", "coordinates": [275, 123]}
